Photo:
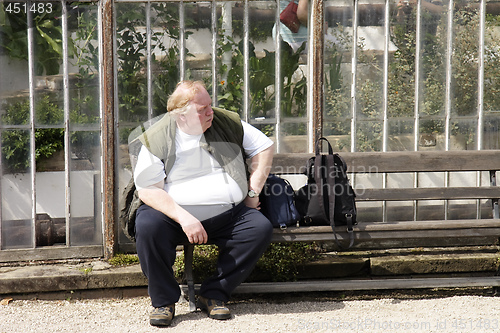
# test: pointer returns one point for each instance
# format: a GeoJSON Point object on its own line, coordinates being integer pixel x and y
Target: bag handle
{"type": "Point", "coordinates": [318, 146]}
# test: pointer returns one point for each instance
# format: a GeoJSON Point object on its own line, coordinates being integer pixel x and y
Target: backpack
{"type": "Point", "coordinates": [277, 202]}
{"type": "Point", "coordinates": [327, 198]}
{"type": "Point", "coordinates": [127, 207]}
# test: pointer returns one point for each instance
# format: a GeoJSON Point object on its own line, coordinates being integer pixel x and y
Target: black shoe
{"type": "Point", "coordinates": [215, 308]}
{"type": "Point", "coordinates": [162, 316]}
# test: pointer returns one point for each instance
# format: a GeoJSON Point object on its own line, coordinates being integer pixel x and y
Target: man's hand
{"type": "Point", "coordinates": [156, 197]}
{"type": "Point", "coordinates": [194, 231]}
{"type": "Point", "coordinates": [252, 202]}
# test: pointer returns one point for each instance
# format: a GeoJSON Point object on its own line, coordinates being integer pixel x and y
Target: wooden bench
{"type": "Point", "coordinates": [414, 223]}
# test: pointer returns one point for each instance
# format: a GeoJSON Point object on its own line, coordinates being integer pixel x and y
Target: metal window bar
{"type": "Point", "coordinates": [480, 92]}
{"type": "Point", "coordinates": [214, 50]}
{"type": "Point", "coordinates": [385, 102]}
{"type": "Point", "coordinates": [449, 51]}
{"type": "Point", "coordinates": [31, 66]}
{"type": "Point", "coordinates": [480, 88]}
{"type": "Point", "coordinates": [278, 83]}
{"type": "Point", "coordinates": [354, 65]}
{"type": "Point", "coordinates": [416, 122]}
{"type": "Point", "coordinates": [182, 42]}
{"type": "Point", "coordinates": [246, 63]}
{"type": "Point", "coordinates": [418, 51]}
{"type": "Point", "coordinates": [67, 152]}
{"type": "Point", "coordinates": [149, 60]}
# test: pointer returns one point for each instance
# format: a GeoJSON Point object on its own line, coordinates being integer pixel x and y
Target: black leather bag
{"type": "Point", "coordinates": [328, 197]}
{"type": "Point", "coordinates": [277, 202]}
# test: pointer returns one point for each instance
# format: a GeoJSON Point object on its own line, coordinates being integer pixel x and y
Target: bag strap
{"type": "Point", "coordinates": [324, 164]}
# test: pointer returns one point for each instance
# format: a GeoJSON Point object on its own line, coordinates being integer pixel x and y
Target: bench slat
{"type": "Point", "coordinates": [367, 284]}
{"type": "Point", "coordinates": [397, 225]}
{"type": "Point", "coordinates": [436, 193]}
{"type": "Point", "coordinates": [394, 230]}
{"type": "Point", "coordinates": [406, 161]}
{"type": "Point", "coordinates": [389, 235]}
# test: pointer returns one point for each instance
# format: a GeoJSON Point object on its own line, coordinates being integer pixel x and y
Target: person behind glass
{"type": "Point", "coordinates": [192, 177]}
{"type": "Point", "coordinates": [295, 40]}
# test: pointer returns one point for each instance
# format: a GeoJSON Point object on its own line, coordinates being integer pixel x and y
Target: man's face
{"type": "Point", "coordinates": [199, 117]}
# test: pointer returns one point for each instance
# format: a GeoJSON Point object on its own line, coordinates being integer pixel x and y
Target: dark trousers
{"type": "Point", "coordinates": [242, 235]}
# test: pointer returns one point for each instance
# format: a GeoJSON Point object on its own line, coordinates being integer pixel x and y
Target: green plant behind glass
{"type": "Point", "coordinates": [47, 37]}
{"type": "Point", "coordinates": [16, 143]}
{"type": "Point", "coordinates": [262, 78]}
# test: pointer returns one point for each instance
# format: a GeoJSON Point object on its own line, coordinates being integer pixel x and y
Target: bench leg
{"type": "Point", "coordinates": [188, 271]}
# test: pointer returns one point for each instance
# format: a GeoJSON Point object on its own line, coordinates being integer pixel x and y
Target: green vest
{"type": "Point", "coordinates": [223, 140]}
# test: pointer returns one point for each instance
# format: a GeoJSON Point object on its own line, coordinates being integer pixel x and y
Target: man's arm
{"type": "Point", "coordinates": [260, 166]}
{"type": "Point", "coordinates": [156, 197]}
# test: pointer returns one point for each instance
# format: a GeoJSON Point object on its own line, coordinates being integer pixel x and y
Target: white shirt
{"type": "Point", "coordinates": [197, 179]}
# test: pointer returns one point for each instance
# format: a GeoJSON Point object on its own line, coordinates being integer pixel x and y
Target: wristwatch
{"type": "Point", "coordinates": [252, 194]}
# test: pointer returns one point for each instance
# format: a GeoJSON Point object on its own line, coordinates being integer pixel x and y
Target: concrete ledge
{"type": "Point", "coordinates": [434, 264]}
{"type": "Point", "coordinates": [63, 277]}
{"type": "Point", "coordinates": [339, 269]}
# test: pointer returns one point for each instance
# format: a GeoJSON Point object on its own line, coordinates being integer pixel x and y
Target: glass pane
{"type": "Point", "coordinates": [369, 85]}
{"type": "Point", "coordinates": [165, 53]}
{"type": "Point", "coordinates": [338, 78]}
{"type": "Point", "coordinates": [401, 77]}
{"type": "Point", "coordinates": [400, 180]}
{"type": "Point", "coordinates": [462, 179]}
{"type": "Point", "coordinates": [14, 82]}
{"type": "Point", "coordinates": [401, 134]}
{"type": "Point", "coordinates": [430, 210]}
{"type": "Point", "coordinates": [431, 179]}
{"type": "Point", "coordinates": [465, 65]}
{"type": "Point", "coordinates": [492, 61]}
{"type": "Point", "coordinates": [199, 42]}
{"type": "Point", "coordinates": [263, 62]}
{"type": "Point", "coordinates": [432, 84]}
{"type": "Point", "coordinates": [369, 212]}
{"type": "Point", "coordinates": [400, 211]}
{"type": "Point", "coordinates": [50, 225]}
{"type": "Point", "coordinates": [369, 135]}
{"type": "Point", "coordinates": [131, 44]}
{"type": "Point", "coordinates": [463, 134]}
{"type": "Point", "coordinates": [49, 142]}
{"type": "Point", "coordinates": [230, 58]}
{"type": "Point", "coordinates": [16, 186]}
{"type": "Point", "coordinates": [84, 64]}
{"type": "Point", "coordinates": [85, 223]}
{"type": "Point", "coordinates": [462, 209]}
{"type": "Point", "coordinates": [47, 57]}
{"type": "Point", "coordinates": [491, 83]}
{"type": "Point", "coordinates": [485, 208]}
{"type": "Point", "coordinates": [338, 132]}
{"type": "Point", "coordinates": [294, 137]}
{"type": "Point", "coordinates": [491, 131]}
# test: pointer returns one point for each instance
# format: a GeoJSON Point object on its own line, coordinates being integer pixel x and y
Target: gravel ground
{"type": "Point", "coordinates": [381, 313]}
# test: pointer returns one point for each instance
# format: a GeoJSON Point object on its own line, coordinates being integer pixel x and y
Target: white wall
{"type": "Point", "coordinates": [50, 195]}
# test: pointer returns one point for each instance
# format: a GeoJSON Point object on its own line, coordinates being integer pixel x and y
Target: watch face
{"type": "Point", "coordinates": [252, 194]}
